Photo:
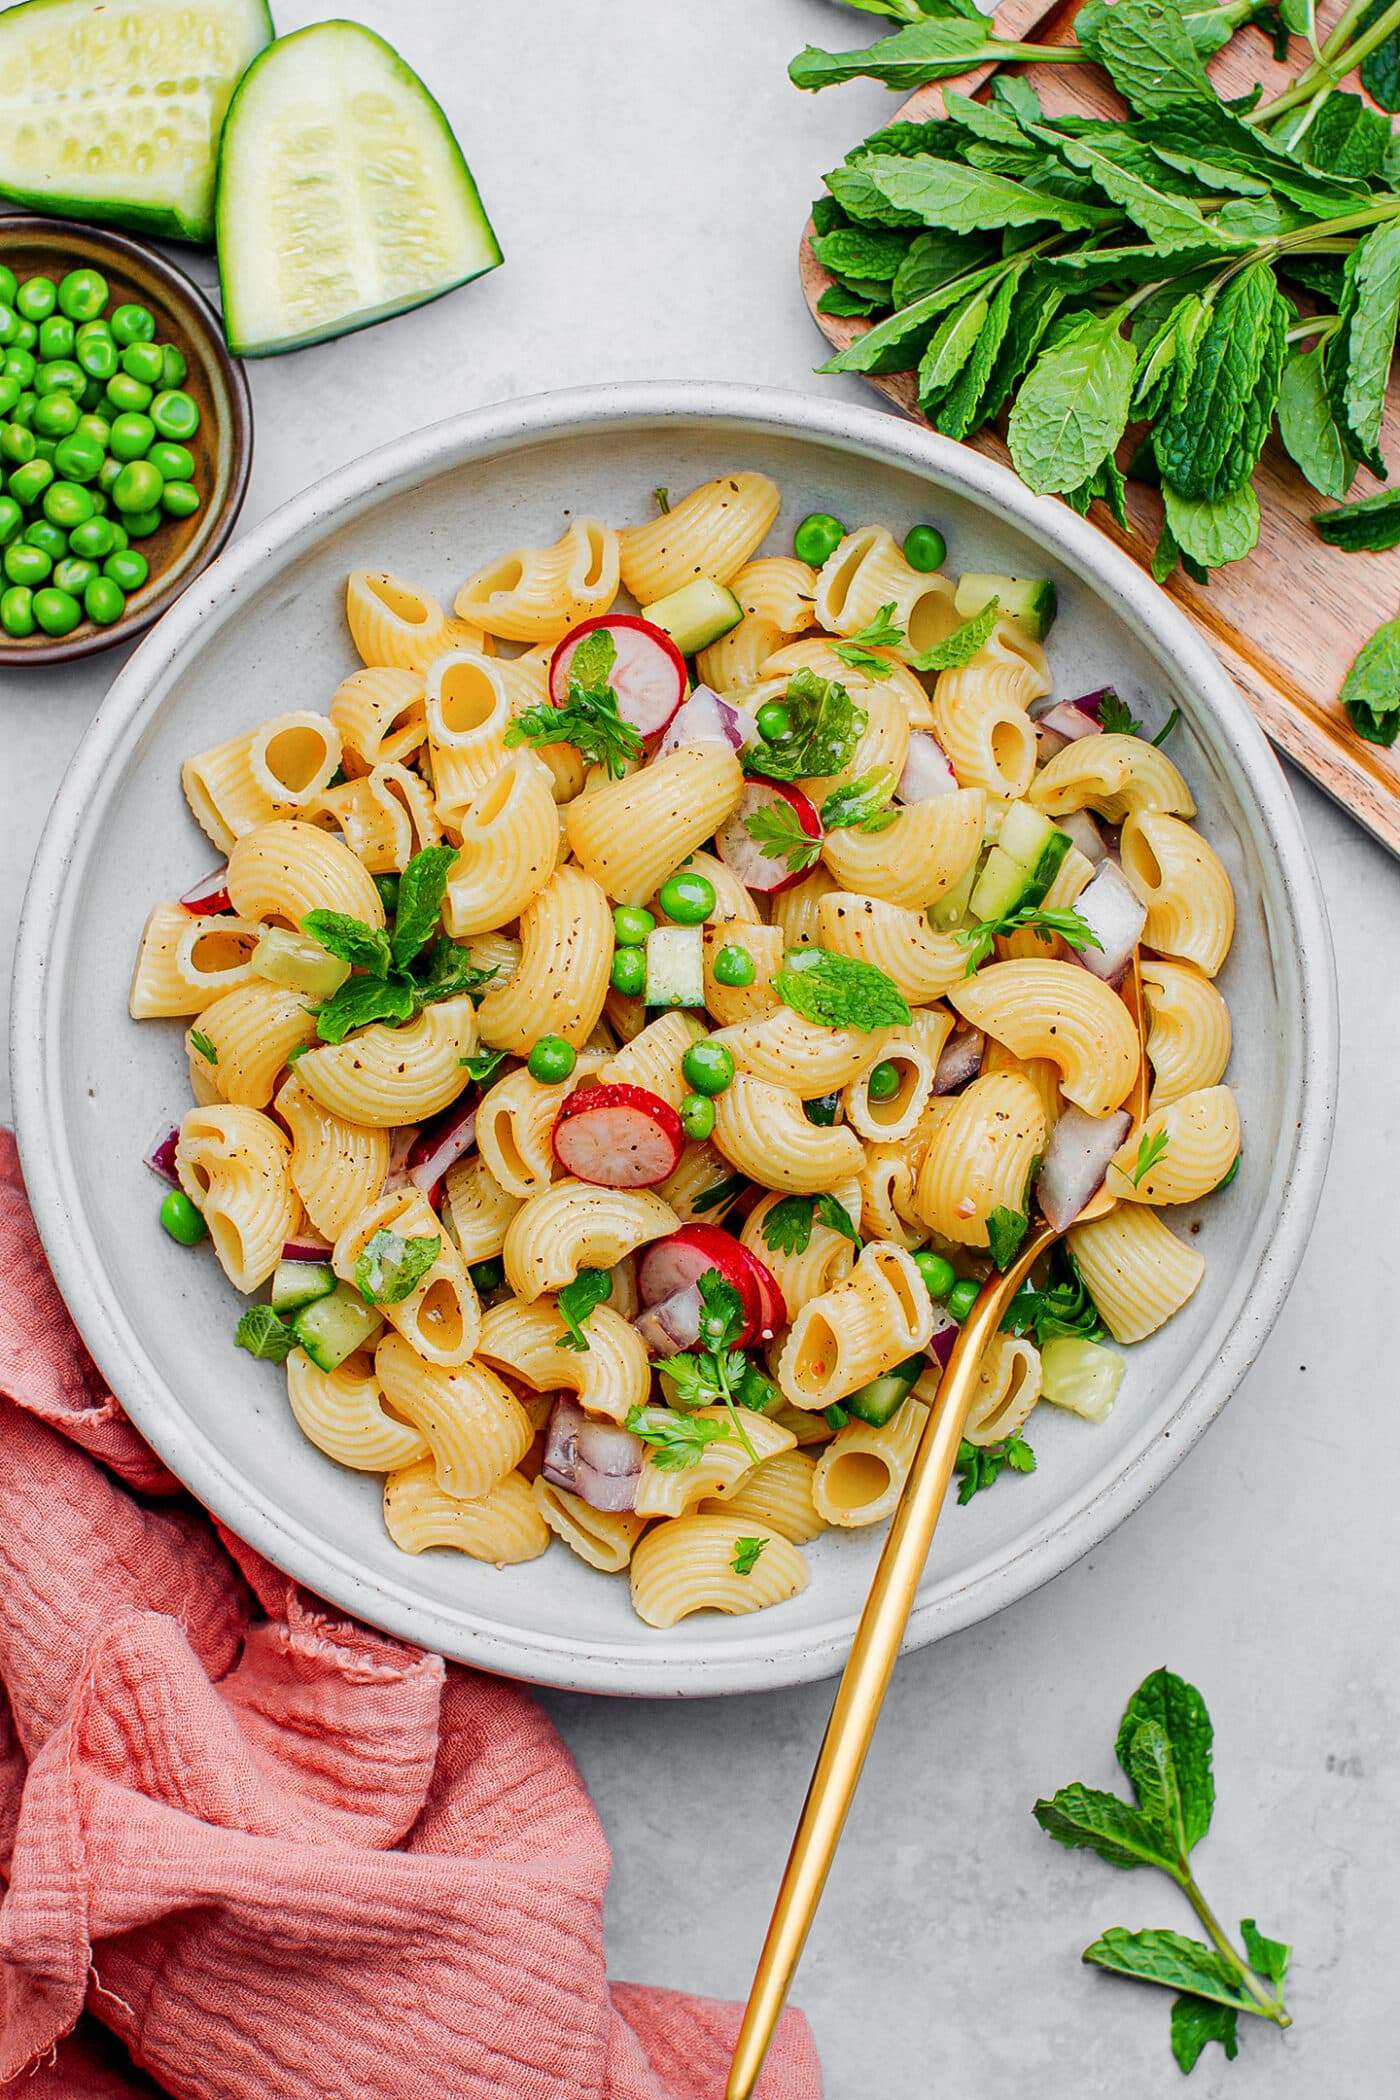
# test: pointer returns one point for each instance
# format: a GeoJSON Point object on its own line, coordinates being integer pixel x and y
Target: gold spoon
{"type": "Point", "coordinates": [875, 1649]}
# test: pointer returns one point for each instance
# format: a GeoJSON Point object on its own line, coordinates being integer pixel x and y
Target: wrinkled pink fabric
{"type": "Point", "coordinates": [279, 1856]}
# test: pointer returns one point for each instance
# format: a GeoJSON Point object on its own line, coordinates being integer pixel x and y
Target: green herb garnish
{"type": "Point", "coordinates": [200, 1042]}
{"type": "Point", "coordinates": [839, 991]}
{"type": "Point", "coordinates": [399, 973]}
{"type": "Point", "coordinates": [826, 726]}
{"type": "Point", "coordinates": [861, 805]}
{"type": "Point", "coordinates": [1371, 692]}
{"type": "Point", "coordinates": [1150, 1150]}
{"type": "Point", "coordinates": [714, 1374]}
{"type": "Point", "coordinates": [588, 719]}
{"type": "Point", "coordinates": [389, 1268]}
{"type": "Point", "coordinates": [978, 1467]}
{"type": "Point", "coordinates": [264, 1334]}
{"type": "Point", "coordinates": [1116, 718]}
{"type": "Point", "coordinates": [883, 632]}
{"type": "Point", "coordinates": [746, 1555]}
{"type": "Point", "coordinates": [959, 647]}
{"type": "Point", "coordinates": [1006, 1229]}
{"type": "Point", "coordinates": [719, 1194]}
{"type": "Point", "coordinates": [787, 1229]}
{"type": "Point", "coordinates": [979, 939]}
{"type": "Point", "coordinates": [677, 1441]}
{"type": "Point", "coordinates": [1062, 1309]}
{"type": "Point", "coordinates": [576, 1301]}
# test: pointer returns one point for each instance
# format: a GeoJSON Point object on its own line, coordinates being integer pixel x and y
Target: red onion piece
{"type": "Point", "coordinates": [674, 1324]}
{"type": "Point", "coordinates": [669, 1265]}
{"type": "Point", "coordinates": [401, 1143]}
{"type": "Point", "coordinates": [608, 1464]}
{"type": "Point", "coordinates": [1069, 720]}
{"type": "Point", "coordinates": [1085, 834]}
{"type": "Point", "coordinates": [210, 895]}
{"type": "Point", "coordinates": [305, 1248]}
{"type": "Point", "coordinates": [440, 1144]}
{"type": "Point", "coordinates": [961, 1060]}
{"type": "Point", "coordinates": [1076, 1161]}
{"type": "Point", "coordinates": [560, 1461]}
{"type": "Point", "coordinates": [1091, 704]}
{"type": "Point", "coordinates": [926, 770]}
{"type": "Point", "coordinates": [161, 1157]}
{"type": "Point", "coordinates": [1111, 909]}
{"type": "Point", "coordinates": [1047, 744]}
{"type": "Point", "coordinates": [707, 718]}
{"type": "Point", "coordinates": [945, 1333]}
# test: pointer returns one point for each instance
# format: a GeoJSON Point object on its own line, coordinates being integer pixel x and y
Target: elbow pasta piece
{"type": "Point", "coordinates": [561, 980]}
{"type": "Point", "coordinates": [1197, 1139]}
{"type": "Point", "coordinates": [801, 1055]}
{"type": "Point", "coordinates": [380, 717]}
{"type": "Point", "coordinates": [630, 834]}
{"type": "Point", "coordinates": [575, 1225]}
{"type": "Point", "coordinates": [1179, 877]}
{"type": "Point", "coordinates": [887, 1196]}
{"type": "Point", "coordinates": [722, 1465]}
{"type": "Point", "coordinates": [385, 1076]}
{"type": "Point", "coordinates": [710, 532]}
{"type": "Point", "coordinates": [510, 841]}
{"type": "Point", "coordinates": [602, 1537]}
{"type": "Point", "coordinates": [776, 594]}
{"type": "Point", "coordinates": [687, 1565]}
{"type": "Point", "coordinates": [826, 1260]}
{"type": "Point", "coordinates": [186, 962]}
{"type": "Point", "coordinates": [1061, 1012]}
{"type": "Point", "coordinates": [869, 1322]}
{"type": "Point", "coordinates": [1074, 874]}
{"type": "Point", "coordinates": [536, 594]}
{"type": "Point", "coordinates": [1188, 1037]}
{"type": "Point", "coordinates": [920, 857]}
{"type": "Point", "coordinates": [384, 817]}
{"type": "Point", "coordinates": [285, 869]}
{"type": "Point", "coordinates": [761, 1130]}
{"type": "Point", "coordinates": [777, 1496]}
{"type": "Point", "coordinates": [477, 1209]}
{"type": "Point", "coordinates": [1010, 646]}
{"type": "Point", "coordinates": [203, 1084]}
{"type": "Point", "coordinates": [267, 772]}
{"type": "Point", "coordinates": [232, 1164]}
{"type": "Point", "coordinates": [530, 1342]}
{"type": "Point", "coordinates": [689, 1189]}
{"type": "Point", "coordinates": [897, 1117]}
{"type": "Point", "coordinates": [468, 709]}
{"type": "Point", "coordinates": [495, 953]}
{"type": "Point", "coordinates": [1137, 1272]}
{"type": "Point", "coordinates": [980, 1156]}
{"type": "Point", "coordinates": [861, 1473]}
{"type": "Point", "coordinates": [504, 1526]}
{"type": "Point", "coordinates": [253, 1030]}
{"type": "Point", "coordinates": [796, 912]}
{"type": "Point", "coordinates": [980, 719]}
{"type": "Point", "coordinates": [471, 1421]}
{"type": "Point", "coordinates": [731, 1004]}
{"type": "Point", "coordinates": [440, 1318]}
{"type": "Point", "coordinates": [1043, 1076]}
{"type": "Point", "coordinates": [338, 1169]}
{"type": "Point", "coordinates": [817, 652]}
{"type": "Point", "coordinates": [1008, 1386]}
{"type": "Point", "coordinates": [733, 903]}
{"type": "Point", "coordinates": [396, 626]}
{"type": "Point", "coordinates": [342, 1413]}
{"type": "Point", "coordinates": [1113, 775]}
{"type": "Point", "coordinates": [883, 747]}
{"type": "Point", "coordinates": [923, 964]}
{"type": "Point", "coordinates": [867, 571]}
{"type": "Point", "coordinates": [653, 1057]}
{"type": "Point", "coordinates": [515, 1127]}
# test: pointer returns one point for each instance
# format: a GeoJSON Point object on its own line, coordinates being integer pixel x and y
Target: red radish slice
{"type": "Point", "coordinates": [670, 1266]}
{"type": "Point", "coordinates": [647, 675]}
{"type": "Point", "coordinates": [440, 1144]}
{"type": "Point", "coordinates": [763, 873]}
{"type": "Point", "coordinates": [161, 1157]}
{"type": "Point", "coordinates": [210, 895]}
{"type": "Point", "coordinates": [306, 1249]}
{"type": "Point", "coordinates": [620, 1137]}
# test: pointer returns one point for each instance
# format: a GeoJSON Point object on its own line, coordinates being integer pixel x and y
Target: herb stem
{"type": "Point", "coordinates": [1054, 54]}
{"type": "Point", "coordinates": [1338, 60]}
{"type": "Point", "coordinates": [1270, 2006]}
{"type": "Point", "coordinates": [1324, 325]}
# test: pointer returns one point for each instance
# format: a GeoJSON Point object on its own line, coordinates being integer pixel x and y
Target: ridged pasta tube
{"type": "Point", "coordinates": [887, 1195]}
{"type": "Point", "coordinates": [883, 746]}
{"type": "Point", "coordinates": [801, 1055]}
{"type": "Point", "coordinates": [470, 1419]}
{"type": "Point", "coordinates": [270, 771]}
{"type": "Point", "coordinates": [776, 1495]}
{"type": "Point", "coordinates": [866, 572]}
{"type": "Point", "coordinates": [1183, 883]}
{"type": "Point", "coordinates": [611, 1376]}
{"type": "Point", "coordinates": [663, 1491]}
{"type": "Point", "coordinates": [574, 1226]}
{"type": "Point", "coordinates": [393, 623]}
{"type": "Point", "coordinates": [898, 1115]}
{"type": "Point", "coordinates": [732, 1004]}
{"type": "Point", "coordinates": [285, 869]}
{"type": "Point", "coordinates": [1061, 1012]}
{"type": "Point", "coordinates": [385, 817]}
{"type": "Point", "coordinates": [820, 1266]}
{"type": "Point", "coordinates": [384, 1077]}
{"type": "Point", "coordinates": [510, 841]}
{"type": "Point", "coordinates": [468, 710]}
{"type": "Point", "coordinates": [920, 857]}
{"type": "Point", "coordinates": [653, 1058]}
{"type": "Point", "coordinates": [980, 1157]}
{"type": "Point", "coordinates": [776, 594]}
{"type": "Point", "coordinates": [1137, 1272]}
{"type": "Point", "coordinates": [1188, 1036]}
{"type": "Point", "coordinates": [924, 964]}
{"type": "Point", "coordinates": [342, 1413]}
{"type": "Point", "coordinates": [1113, 775]}
{"type": "Point", "coordinates": [1043, 1076]}
{"type": "Point", "coordinates": [504, 1526]}
{"type": "Point", "coordinates": [795, 912]}
{"type": "Point", "coordinates": [861, 1474]}
{"type": "Point", "coordinates": [562, 980]}
{"type": "Point", "coordinates": [478, 1209]}
{"type": "Point", "coordinates": [602, 1537]}
{"type": "Point", "coordinates": [185, 962]}
{"type": "Point", "coordinates": [1196, 1140]}
{"type": "Point", "coordinates": [1007, 1388]}
{"type": "Point", "coordinates": [232, 1163]}
{"type": "Point", "coordinates": [733, 902]}
{"type": "Point", "coordinates": [631, 834]}
{"type": "Point", "coordinates": [687, 1565]}
{"type": "Point", "coordinates": [817, 653]}
{"type": "Point", "coordinates": [690, 1189]}
{"type": "Point", "coordinates": [980, 719]}
{"type": "Point", "coordinates": [252, 1031]}
{"type": "Point", "coordinates": [710, 532]}
{"type": "Point", "coordinates": [380, 716]}
{"type": "Point", "coordinates": [337, 1168]}
{"type": "Point", "coordinates": [536, 594]}
{"type": "Point", "coordinates": [876, 1317]}
{"type": "Point", "coordinates": [441, 1316]}
{"type": "Point", "coordinates": [761, 1130]}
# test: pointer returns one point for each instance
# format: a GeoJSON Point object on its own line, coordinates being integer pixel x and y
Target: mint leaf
{"type": "Point", "coordinates": [1371, 337]}
{"type": "Point", "coordinates": [1170, 223]}
{"type": "Point", "coordinates": [787, 1228]}
{"type": "Point", "coordinates": [350, 940]}
{"type": "Point", "coordinates": [593, 658]}
{"type": "Point", "coordinates": [936, 258]}
{"type": "Point", "coordinates": [838, 991]}
{"type": "Point", "coordinates": [264, 1335]}
{"type": "Point", "coordinates": [446, 971]}
{"type": "Point", "coordinates": [838, 299]}
{"type": "Point", "coordinates": [390, 1268]}
{"type": "Point", "coordinates": [1192, 442]}
{"type": "Point", "coordinates": [962, 644]}
{"type": "Point", "coordinates": [949, 349]}
{"type": "Point", "coordinates": [961, 199]}
{"type": "Point", "coordinates": [362, 1000]}
{"type": "Point", "coordinates": [1171, 1959]}
{"type": "Point", "coordinates": [484, 1065]}
{"type": "Point", "coordinates": [826, 728]}
{"type": "Point", "coordinates": [677, 1441]}
{"type": "Point", "coordinates": [200, 1042]}
{"type": "Point", "coordinates": [1337, 367]}
{"type": "Point", "coordinates": [1268, 1957]}
{"type": "Point", "coordinates": [1368, 526]}
{"type": "Point", "coordinates": [872, 252]}
{"type": "Point", "coordinates": [746, 1555]}
{"type": "Point", "coordinates": [1380, 72]}
{"type": "Point", "coordinates": [893, 345]}
{"type": "Point", "coordinates": [964, 404]}
{"type": "Point", "coordinates": [1073, 407]}
{"type": "Point", "coordinates": [1309, 431]}
{"type": "Point", "coordinates": [924, 51]}
{"type": "Point", "coordinates": [1085, 1818]}
{"type": "Point", "coordinates": [1063, 1308]}
{"type": "Point", "coordinates": [422, 887]}
{"type": "Point", "coordinates": [576, 1301]}
{"type": "Point", "coordinates": [777, 830]}
{"type": "Point", "coordinates": [861, 805]}
{"type": "Point", "coordinates": [1195, 2021]}
{"type": "Point", "coordinates": [1148, 54]}
{"type": "Point", "coordinates": [1371, 690]}
{"type": "Point", "coordinates": [1180, 1711]}
{"type": "Point", "coordinates": [1005, 1231]}
{"type": "Point", "coordinates": [1347, 138]}
{"type": "Point", "coordinates": [1212, 532]}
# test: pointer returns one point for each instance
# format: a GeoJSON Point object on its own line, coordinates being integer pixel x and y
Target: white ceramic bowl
{"type": "Point", "coordinates": [264, 630]}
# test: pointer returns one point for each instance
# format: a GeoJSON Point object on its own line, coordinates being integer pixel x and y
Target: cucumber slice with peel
{"type": "Point", "coordinates": [112, 109]}
{"type": "Point", "coordinates": [1031, 602]}
{"type": "Point", "coordinates": [343, 196]}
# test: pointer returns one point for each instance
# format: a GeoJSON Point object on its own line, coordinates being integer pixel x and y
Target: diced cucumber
{"type": "Point", "coordinates": [1082, 1376]}
{"type": "Point", "coordinates": [295, 960]}
{"type": "Point", "coordinates": [113, 112]}
{"type": "Point", "coordinates": [882, 1398]}
{"type": "Point", "coordinates": [676, 966]}
{"type": "Point", "coordinates": [1031, 602]}
{"type": "Point", "coordinates": [1001, 887]}
{"type": "Point", "coordinates": [695, 615]}
{"type": "Point", "coordinates": [343, 195]}
{"type": "Point", "coordinates": [1024, 831]}
{"type": "Point", "coordinates": [335, 1326]}
{"type": "Point", "coordinates": [1022, 865]}
{"type": "Point", "coordinates": [950, 911]}
{"type": "Point", "coordinates": [298, 1283]}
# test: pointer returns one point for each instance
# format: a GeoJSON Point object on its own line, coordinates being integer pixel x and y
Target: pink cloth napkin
{"type": "Point", "coordinates": [275, 1853]}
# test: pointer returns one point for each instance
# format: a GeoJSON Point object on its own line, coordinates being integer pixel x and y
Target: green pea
{"type": "Point", "coordinates": [27, 565]}
{"type": "Point", "coordinates": [45, 447]}
{"type": "Point", "coordinates": [144, 361]}
{"type": "Point", "coordinates": [131, 437]}
{"type": "Point", "coordinates": [940, 1277]}
{"type": "Point", "coordinates": [10, 391]}
{"type": "Point", "coordinates": [925, 548]}
{"type": "Point", "coordinates": [697, 1117]}
{"type": "Point", "coordinates": [83, 294]}
{"type": "Point", "coordinates": [126, 568]}
{"type": "Point", "coordinates": [112, 470]}
{"type": "Point", "coordinates": [93, 540]}
{"type": "Point", "coordinates": [98, 357]}
{"type": "Point", "coordinates": [17, 444]}
{"type": "Point", "coordinates": [823, 1111]}
{"type": "Point", "coordinates": [28, 482]}
{"type": "Point", "coordinates": [962, 1297]}
{"type": "Point", "coordinates": [100, 504]}
{"type": "Point", "coordinates": [52, 538]}
{"type": "Point", "coordinates": [56, 336]}
{"type": "Point", "coordinates": [120, 541]}
{"type": "Point", "coordinates": [26, 336]}
{"type": "Point", "coordinates": [88, 331]}
{"type": "Point", "coordinates": [73, 575]}
{"type": "Point", "coordinates": [883, 1083]}
{"type": "Point", "coordinates": [17, 611]}
{"type": "Point", "coordinates": [174, 370]}
{"type": "Point", "coordinates": [629, 972]}
{"type": "Point", "coordinates": [22, 363]}
{"type": "Point", "coordinates": [36, 298]}
{"type": "Point", "coordinates": [817, 537]}
{"type": "Point", "coordinates": [11, 520]}
{"type": "Point", "coordinates": [142, 523]}
{"type": "Point", "coordinates": [387, 886]}
{"type": "Point", "coordinates": [104, 602]}
{"type": "Point", "coordinates": [177, 1214]}
{"type": "Point", "coordinates": [708, 1066]}
{"type": "Point", "coordinates": [9, 285]}
{"type": "Point", "coordinates": [551, 1060]}
{"type": "Point", "coordinates": [176, 463]}
{"type": "Point", "coordinates": [687, 897]}
{"type": "Point", "coordinates": [67, 503]}
{"type": "Point", "coordinates": [734, 966]}
{"type": "Point", "coordinates": [93, 396]}
{"type": "Point", "coordinates": [23, 410]}
{"type": "Point", "coordinates": [59, 375]}
{"type": "Point", "coordinates": [97, 428]}
{"type": "Point", "coordinates": [9, 322]}
{"type": "Point", "coordinates": [79, 457]}
{"type": "Point", "coordinates": [175, 414]}
{"type": "Point", "coordinates": [57, 612]}
{"type": "Point", "coordinates": [132, 324]}
{"type": "Point", "coordinates": [56, 415]}
{"type": "Point", "coordinates": [127, 394]}
{"type": "Point", "coordinates": [631, 925]}
{"type": "Point", "coordinates": [774, 722]}
{"type": "Point", "coordinates": [179, 499]}
{"type": "Point", "coordinates": [488, 1275]}
{"type": "Point", "coordinates": [138, 487]}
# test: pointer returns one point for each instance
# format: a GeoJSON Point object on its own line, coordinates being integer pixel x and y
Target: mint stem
{"type": "Point", "coordinates": [1270, 2005]}
{"type": "Point", "coordinates": [1337, 61]}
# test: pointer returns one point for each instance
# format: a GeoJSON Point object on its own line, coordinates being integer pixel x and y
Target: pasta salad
{"type": "Point", "coordinates": [622, 1041]}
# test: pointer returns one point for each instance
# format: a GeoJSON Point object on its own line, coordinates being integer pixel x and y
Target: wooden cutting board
{"type": "Point", "coordinates": [1287, 621]}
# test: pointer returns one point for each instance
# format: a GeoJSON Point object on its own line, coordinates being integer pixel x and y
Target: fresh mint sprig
{"type": "Point", "coordinates": [840, 991]}
{"type": "Point", "coordinates": [398, 973]}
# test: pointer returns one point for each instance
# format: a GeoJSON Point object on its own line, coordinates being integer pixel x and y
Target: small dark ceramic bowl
{"type": "Point", "coordinates": [222, 446]}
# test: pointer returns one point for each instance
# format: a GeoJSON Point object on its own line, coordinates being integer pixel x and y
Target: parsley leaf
{"type": "Point", "coordinates": [978, 1467]}
{"type": "Point", "coordinates": [264, 1335]}
{"type": "Point", "coordinates": [576, 1301]}
{"type": "Point", "coordinates": [1068, 924]}
{"type": "Point", "coordinates": [677, 1441]}
{"type": "Point", "coordinates": [1063, 1309]}
{"type": "Point", "coordinates": [200, 1042]}
{"type": "Point", "coordinates": [484, 1064]}
{"type": "Point", "coordinates": [662, 499]}
{"type": "Point", "coordinates": [589, 720]}
{"type": "Point", "coordinates": [350, 940]}
{"type": "Point", "coordinates": [1005, 1231]}
{"type": "Point", "coordinates": [746, 1554]}
{"type": "Point", "coordinates": [862, 804]}
{"type": "Point", "coordinates": [775, 827]}
{"type": "Point", "coordinates": [839, 991]}
{"type": "Point", "coordinates": [720, 1194]}
{"type": "Point", "coordinates": [959, 647]}
{"type": "Point", "coordinates": [717, 1372]}
{"type": "Point", "coordinates": [787, 1228]}
{"type": "Point", "coordinates": [826, 726]}
{"type": "Point", "coordinates": [1116, 718]}
{"type": "Point", "coordinates": [722, 1320]}
{"type": "Point", "coordinates": [390, 1268]}
{"type": "Point", "coordinates": [883, 632]}
{"type": "Point", "coordinates": [1150, 1150]}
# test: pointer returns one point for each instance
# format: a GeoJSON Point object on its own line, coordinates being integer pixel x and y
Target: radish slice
{"type": "Point", "coordinates": [1085, 834]}
{"type": "Point", "coordinates": [671, 1266]}
{"type": "Point", "coordinates": [926, 770]}
{"type": "Point", "coordinates": [961, 1060]}
{"type": "Point", "coordinates": [763, 873]}
{"type": "Point", "coordinates": [708, 718]}
{"type": "Point", "coordinates": [945, 1333]}
{"type": "Point", "coordinates": [161, 1157]}
{"type": "Point", "coordinates": [1076, 1161]}
{"type": "Point", "coordinates": [439, 1145]}
{"type": "Point", "coordinates": [1068, 720]}
{"type": "Point", "coordinates": [647, 675]}
{"type": "Point", "coordinates": [307, 1249]}
{"type": "Point", "coordinates": [674, 1324]}
{"type": "Point", "coordinates": [1112, 910]}
{"type": "Point", "coordinates": [620, 1137]}
{"type": "Point", "coordinates": [208, 896]}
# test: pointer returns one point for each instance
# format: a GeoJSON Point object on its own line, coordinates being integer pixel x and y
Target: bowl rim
{"type": "Point", "coordinates": [750, 1663]}
{"type": "Point", "coordinates": [183, 291]}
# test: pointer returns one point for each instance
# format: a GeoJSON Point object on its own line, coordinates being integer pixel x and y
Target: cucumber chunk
{"type": "Point", "coordinates": [1031, 603]}
{"type": "Point", "coordinates": [343, 196]}
{"type": "Point", "coordinates": [112, 109]}
{"type": "Point", "coordinates": [695, 615]}
{"type": "Point", "coordinates": [880, 1400]}
{"type": "Point", "coordinates": [950, 912]}
{"type": "Point", "coordinates": [1022, 865]}
{"type": "Point", "coordinates": [298, 1283]}
{"type": "Point", "coordinates": [1001, 887]}
{"type": "Point", "coordinates": [676, 966]}
{"type": "Point", "coordinates": [296, 961]}
{"type": "Point", "coordinates": [335, 1326]}
{"type": "Point", "coordinates": [1024, 833]}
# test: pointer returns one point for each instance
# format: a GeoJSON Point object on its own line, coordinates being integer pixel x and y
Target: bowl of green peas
{"type": "Point", "coordinates": [126, 438]}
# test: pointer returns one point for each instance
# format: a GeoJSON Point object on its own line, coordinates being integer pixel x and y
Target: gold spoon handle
{"type": "Point", "coordinates": [867, 1674]}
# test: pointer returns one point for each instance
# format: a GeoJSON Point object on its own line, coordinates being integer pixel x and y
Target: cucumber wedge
{"type": "Point", "coordinates": [112, 109]}
{"type": "Point", "coordinates": [343, 197]}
